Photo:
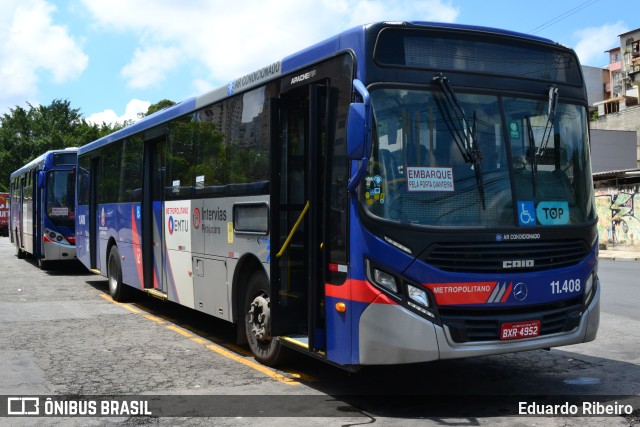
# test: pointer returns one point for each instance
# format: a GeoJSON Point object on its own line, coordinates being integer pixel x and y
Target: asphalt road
{"type": "Point", "coordinates": [622, 282]}
{"type": "Point", "coordinates": [61, 335]}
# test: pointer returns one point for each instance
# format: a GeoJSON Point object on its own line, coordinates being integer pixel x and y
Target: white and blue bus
{"type": "Point", "coordinates": [42, 216]}
{"type": "Point", "coordinates": [401, 192]}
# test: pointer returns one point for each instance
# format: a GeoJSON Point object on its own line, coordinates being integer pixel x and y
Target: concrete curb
{"type": "Point", "coordinates": [619, 255]}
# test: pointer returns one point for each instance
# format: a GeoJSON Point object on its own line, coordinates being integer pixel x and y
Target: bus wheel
{"type": "Point", "coordinates": [257, 322]}
{"type": "Point", "coordinates": [19, 252]}
{"type": "Point", "coordinates": [114, 276]}
{"type": "Point", "coordinates": [42, 264]}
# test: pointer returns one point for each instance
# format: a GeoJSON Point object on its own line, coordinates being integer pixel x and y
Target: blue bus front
{"type": "Point", "coordinates": [58, 215]}
{"type": "Point", "coordinates": [473, 229]}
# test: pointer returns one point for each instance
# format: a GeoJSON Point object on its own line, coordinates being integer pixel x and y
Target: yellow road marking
{"type": "Point", "coordinates": [302, 376]}
{"type": "Point", "coordinates": [216, 348]}
{"type": "Point", "coordinates": [153, 318]}
{"type": "Point", "coordinates": [127, 306]}
{"type": "Point", "coordinates": [179, 330]}
{"type": "Point", "coordinates": [267, 371]}
{"type": "Point", "coordinates": [200, 340]}
{"type": "Point", "coordinates": [237, 349]}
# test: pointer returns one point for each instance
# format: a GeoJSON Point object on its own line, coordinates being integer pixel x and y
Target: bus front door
{"type": "Point", "coordinates": [296, 217]}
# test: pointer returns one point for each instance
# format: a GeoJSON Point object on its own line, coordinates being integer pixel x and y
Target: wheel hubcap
{"type": "Point", "coordinates": [113, 281]}
{"type": "Point", "coordinates": [260, 318]}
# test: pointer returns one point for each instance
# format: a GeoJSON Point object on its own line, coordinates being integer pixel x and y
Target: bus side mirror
{"type": "Point", "coordinates": [359, 125]}
{"type": "Point", "coordinates": [356, 131]}
{"type": "Point", "coordinates": [41, 179]}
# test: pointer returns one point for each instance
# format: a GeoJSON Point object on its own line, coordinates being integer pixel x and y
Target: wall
{"type": "Point", "coordinates": [613, 150]}
{"type": "Point", "coordinates": [619, 216]}
{"type": "Point", "coordinates": [628, 119]}
{"type": "Point", "coordinates": [594, 79]}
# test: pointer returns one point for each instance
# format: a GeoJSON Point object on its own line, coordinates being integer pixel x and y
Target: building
{"type": "Point", "coordinates": [598, 84]}
{"type": "Point", "coordinates": [618, 109]}
{"type": "Point", "coordinates": [615, 144]}
{"type": "Point", "coordinates": [630, 53]}
{"type": "Point", "coordinates": [621, 89]}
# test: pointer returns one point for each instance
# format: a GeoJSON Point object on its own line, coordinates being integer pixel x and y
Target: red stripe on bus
{"type": "Point", "coordinates": [358, 291]}
{"type": "Point", "coordinates": [461, 293]}
{"type": "Point", "coordinates": [506, 294]}
{"type": "Point", "coordinates": [137, 250]}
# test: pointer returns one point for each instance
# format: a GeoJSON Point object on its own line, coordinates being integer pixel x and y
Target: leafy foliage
{"type": "Point", "coordinates": [27, 133]}
{"type": "Point", "coordinates": [160, 105]}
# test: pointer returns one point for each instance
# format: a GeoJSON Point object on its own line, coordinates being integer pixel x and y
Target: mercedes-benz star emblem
{"type": "Point", "coordinates": [520, 291]}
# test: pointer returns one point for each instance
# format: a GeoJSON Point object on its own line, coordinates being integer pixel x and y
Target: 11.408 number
{"type": "Point", "coordinates": [566, 287]}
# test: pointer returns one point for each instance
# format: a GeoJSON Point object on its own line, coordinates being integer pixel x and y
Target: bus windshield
{"type": "Point", "coordinates": [60, 196]}
{"type": "Point", "coordinates": [494, 161]}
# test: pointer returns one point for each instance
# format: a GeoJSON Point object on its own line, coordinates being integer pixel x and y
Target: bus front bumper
{"type": "Point", "coordinates": [390, 334]}
{"type": "Point", "coordinates": [53, 251]}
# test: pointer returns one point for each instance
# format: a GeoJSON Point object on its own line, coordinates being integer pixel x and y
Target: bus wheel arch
{"type": "Point", "coordinates": [247, 266]}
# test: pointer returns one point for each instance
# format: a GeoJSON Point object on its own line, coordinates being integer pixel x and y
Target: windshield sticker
{"type": "Point", "coordinates": [514, 130]}
{"type": "Point", "coordinates": [59, 211]}
{"type": "Point", "coordinates": [374, 191]}
{"type": "Point", "coordinates": [429, 179]}
{"type": "Point", "coordinates": [553, 213]}
{"type": "Point", "coordinates": [526, 213]}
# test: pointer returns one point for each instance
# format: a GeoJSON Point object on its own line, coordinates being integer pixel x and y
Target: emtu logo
{"type": "Point", "coordinates": [170, 225]}
{"type": "Point", "coordinates": [196, 218]}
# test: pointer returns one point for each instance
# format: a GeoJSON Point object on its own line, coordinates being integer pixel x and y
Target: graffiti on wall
{"type": "Point", "coordinates": [619, 216]}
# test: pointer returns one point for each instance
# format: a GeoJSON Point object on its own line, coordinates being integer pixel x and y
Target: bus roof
{"type": "Point", "coordinates": [482, 29]}
{"type": "Point", "coordinates": [352, 39]}
{"type": "Point", "coordinates": [40, 160]}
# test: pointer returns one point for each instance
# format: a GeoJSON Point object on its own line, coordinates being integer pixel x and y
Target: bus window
{"type": "Point", "coordinates": [60, 196]}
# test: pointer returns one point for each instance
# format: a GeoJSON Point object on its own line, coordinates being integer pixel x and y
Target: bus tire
{"type": "Point", "coordinates": [19, 252]}
{"type": "Point", "coordinates": [117, 289]}
{"type": "Point", "coordinates": [42, 264]}
{"type": "Point", "coordinates": [257, 322]}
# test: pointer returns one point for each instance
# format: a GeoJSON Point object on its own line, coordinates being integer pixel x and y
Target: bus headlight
{"type": "Point", "coordinates": [381, 278]}
{"type": "Point", "coordinates": [418, 295]}
{"type": "Point", "coordinates": [589, 289]}
{"type": "Point", "coordinates": [385, 280]}
{"type": "Point", "coordinates": [52, 236]}
{"type": "Point", "coordinates": [418, 300]}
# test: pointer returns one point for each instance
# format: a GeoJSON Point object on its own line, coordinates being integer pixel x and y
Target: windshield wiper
{"type": "Point", "coordinates": [533, 154]}
{"type": "Point", "coordinates": [551, 118]}
{"type": "Point", "coordinates": [465, 136]}
{"type": "Point", "coordinates": [534, 150]}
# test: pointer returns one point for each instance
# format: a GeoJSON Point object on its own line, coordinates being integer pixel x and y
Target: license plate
{"type": "Point", "coordinates": [519, 330]}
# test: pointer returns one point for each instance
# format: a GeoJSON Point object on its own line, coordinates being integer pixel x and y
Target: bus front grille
{"type": "Point", "coordinates": [503, 256]}
{"type": "Point", "coordinates": [476, 325]}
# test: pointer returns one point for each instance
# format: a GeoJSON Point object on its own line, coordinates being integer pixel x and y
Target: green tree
{"type": "Point", "coordinates": [160, 105]}
{"type": "Point", "coordinates": [27, 133]}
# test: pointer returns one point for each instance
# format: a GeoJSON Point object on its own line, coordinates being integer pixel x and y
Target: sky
{"type": "Point", "coordinates": [112, 59]}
